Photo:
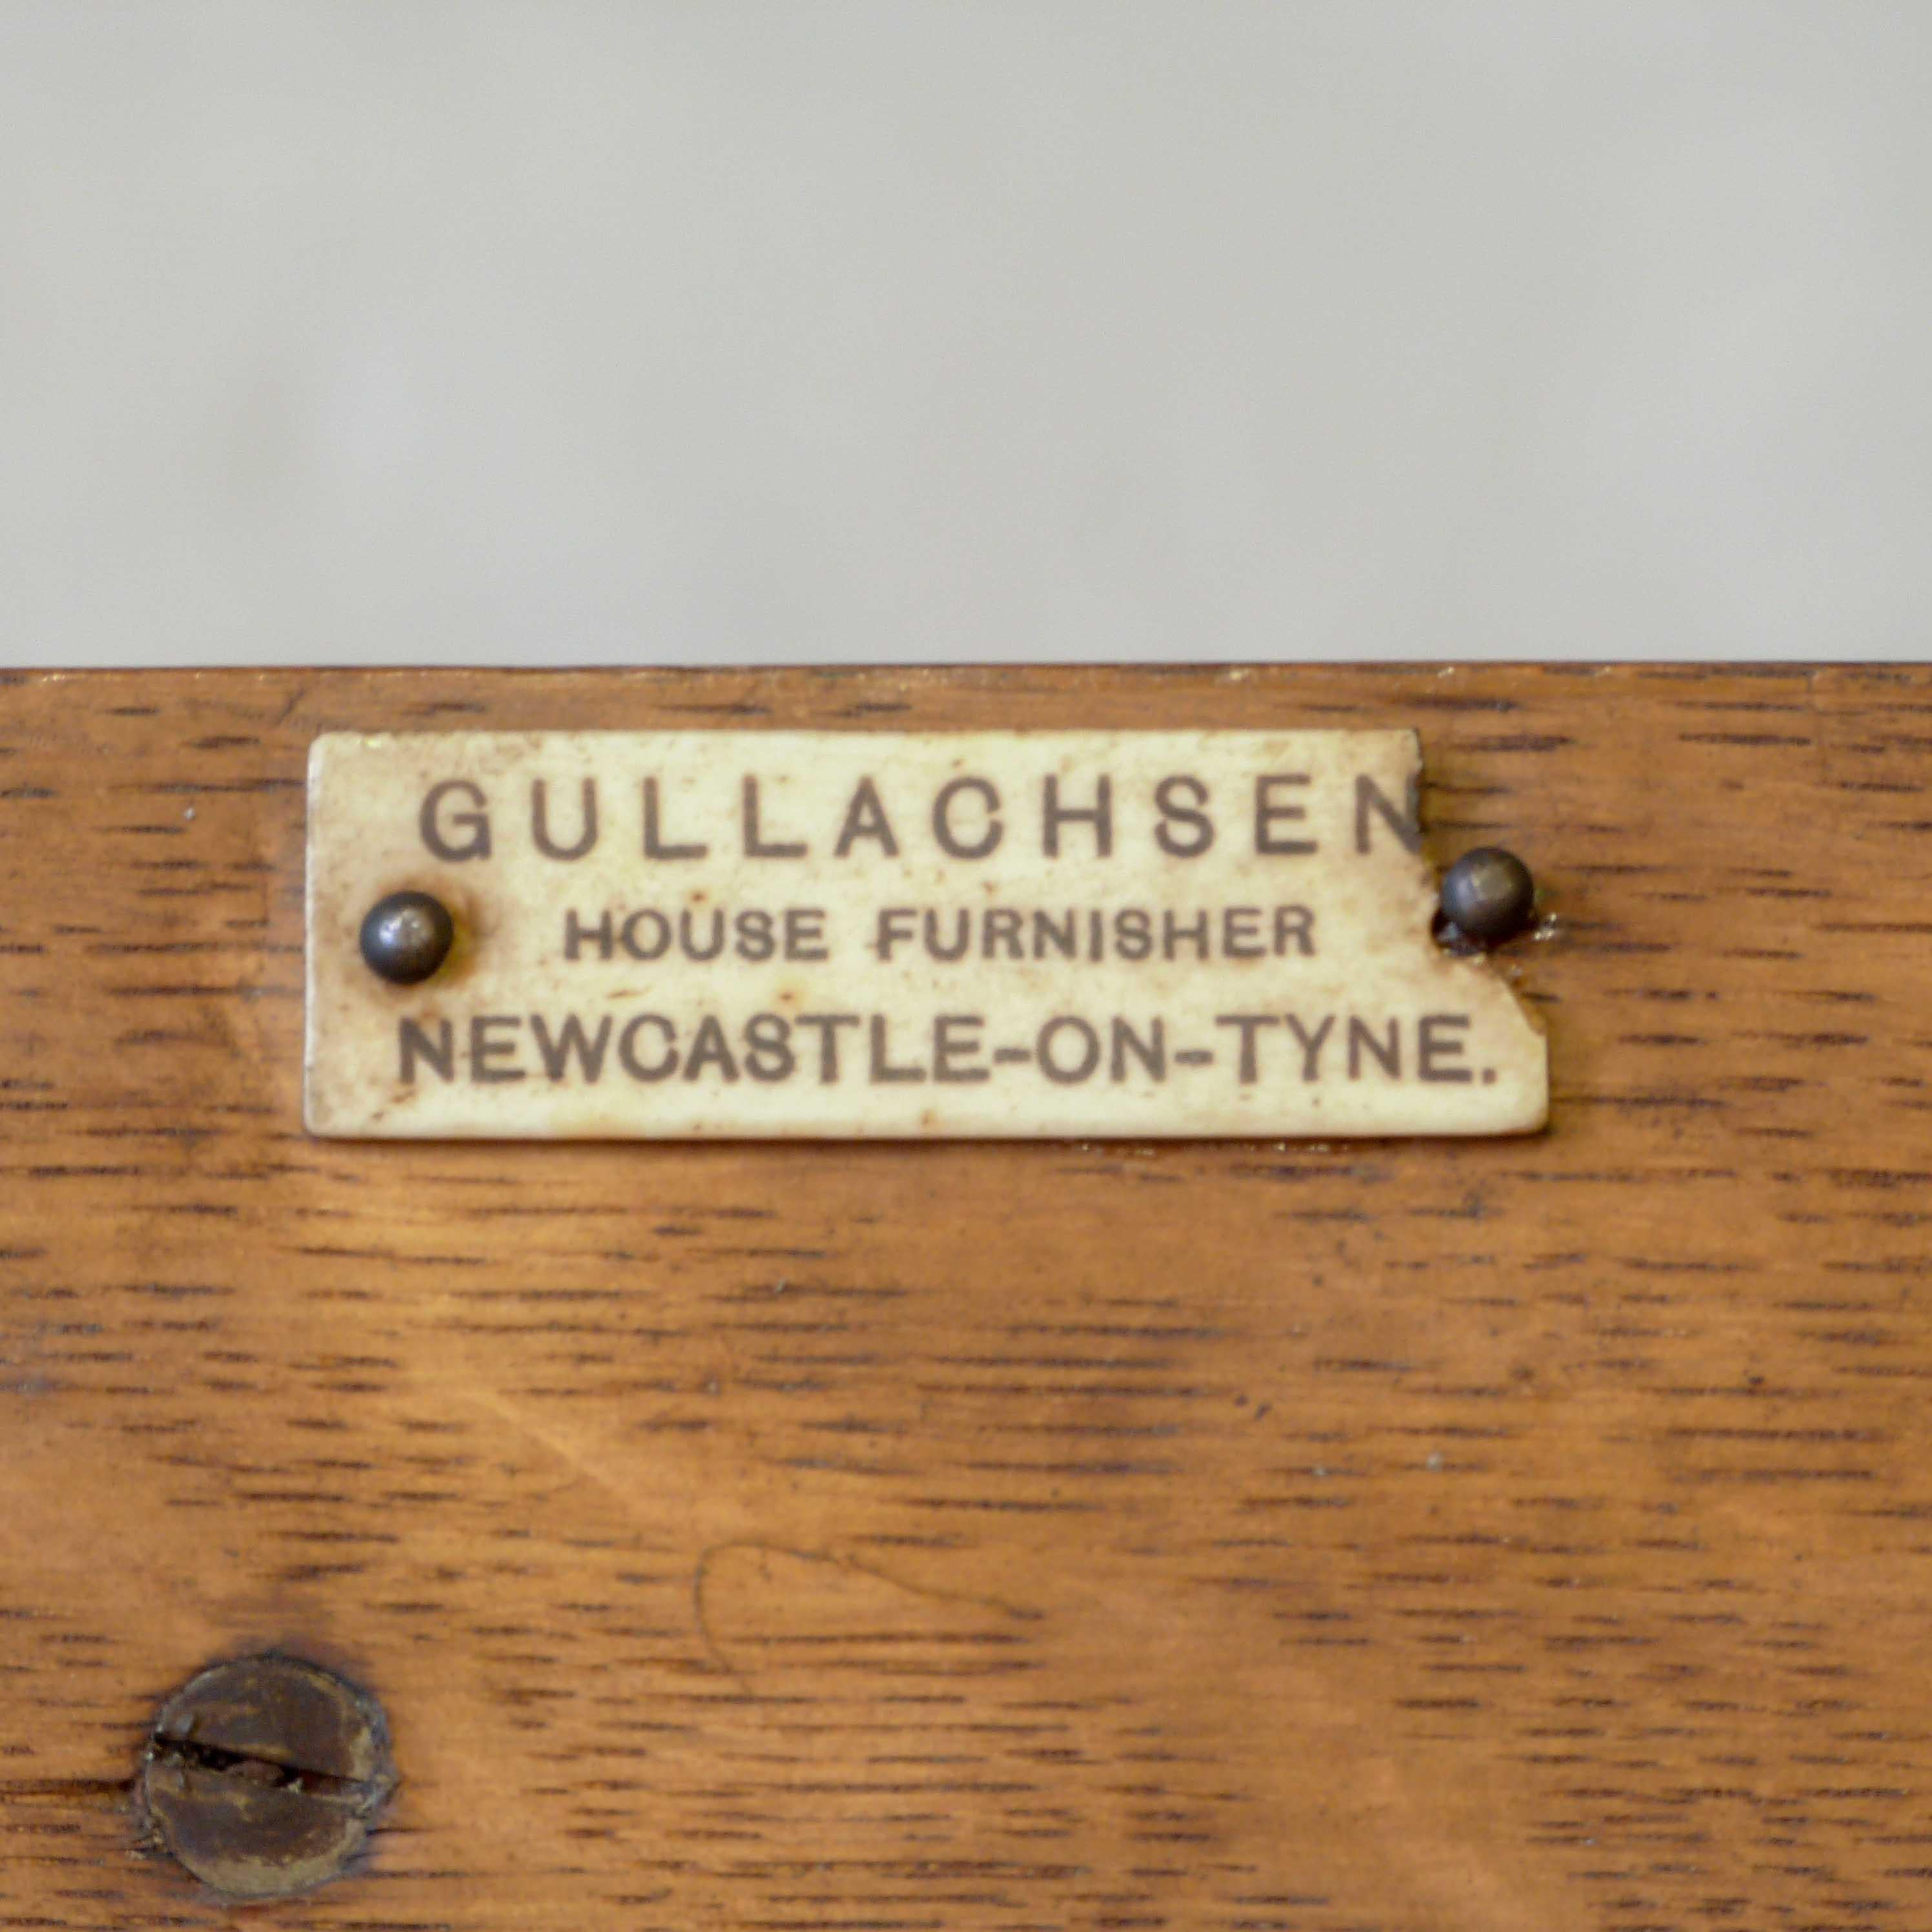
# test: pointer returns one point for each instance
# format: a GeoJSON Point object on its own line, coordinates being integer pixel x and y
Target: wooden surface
{"type": "Point", "coordinates": [1517, 1534]}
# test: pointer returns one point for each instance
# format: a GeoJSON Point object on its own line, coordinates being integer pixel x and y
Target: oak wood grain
{"type": "Point", "coordinates": [1262, 1538]}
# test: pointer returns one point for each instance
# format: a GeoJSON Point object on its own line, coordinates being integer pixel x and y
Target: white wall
{"type": "Point", "coordinates": [940, 331]}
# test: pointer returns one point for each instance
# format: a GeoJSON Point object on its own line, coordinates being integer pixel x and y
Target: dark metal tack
{"type": "Point", "coordinates": [406, 937]}
{"type": "Point", "coordinates": [1488, 896]}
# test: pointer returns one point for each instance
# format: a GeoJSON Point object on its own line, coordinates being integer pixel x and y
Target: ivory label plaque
{"type": "Point", "coordinates": [731, 934]}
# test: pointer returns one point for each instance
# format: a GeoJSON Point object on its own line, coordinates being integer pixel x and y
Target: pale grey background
{"type": "Point", "coordinates": [579, 332]}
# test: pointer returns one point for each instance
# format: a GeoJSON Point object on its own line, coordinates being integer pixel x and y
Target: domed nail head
{"type": "Point", "coordinates": [1488, 896]}
{"type": "Point", "coordinates": [406, 937]}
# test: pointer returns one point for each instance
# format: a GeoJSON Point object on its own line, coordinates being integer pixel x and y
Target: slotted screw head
{"type": "Point", "coordinates": [261, 1776]}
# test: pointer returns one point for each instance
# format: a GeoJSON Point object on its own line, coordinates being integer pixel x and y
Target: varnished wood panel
{"type": "Point", "coordinates": [1233, 1537]}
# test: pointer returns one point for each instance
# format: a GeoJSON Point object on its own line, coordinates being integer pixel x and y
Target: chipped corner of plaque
{"type": "Point", "coordinates": [1532, 1114]}
{"type": "Point", "coordinates": [1470, 970]}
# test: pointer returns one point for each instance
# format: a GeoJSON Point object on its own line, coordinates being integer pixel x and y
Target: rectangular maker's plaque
{"type": "Point", "coordinates": [682, 934]}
